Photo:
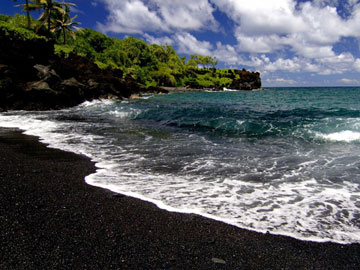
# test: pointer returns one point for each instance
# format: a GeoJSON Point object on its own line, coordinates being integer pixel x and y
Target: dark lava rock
{"type": "Point", "coordinates": [32, 77]}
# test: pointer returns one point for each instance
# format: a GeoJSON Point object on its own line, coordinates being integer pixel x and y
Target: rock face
{"type": "Point", "coordinates": [32, 77]}
{"type": "Point", "coordinates": [248, 80]}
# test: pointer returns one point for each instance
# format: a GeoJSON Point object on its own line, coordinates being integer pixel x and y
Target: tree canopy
{"type": "Point", "coordinates": [150, 65]}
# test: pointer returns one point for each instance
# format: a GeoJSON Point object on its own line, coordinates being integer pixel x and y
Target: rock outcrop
{"type": "Point", "coordinates": [247, 80]}
{"type": "Point", "coordinates": [32, 77]}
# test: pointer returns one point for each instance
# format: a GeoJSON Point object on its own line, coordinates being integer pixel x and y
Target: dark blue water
{"type": "Point", "coordinates": [283, 160]}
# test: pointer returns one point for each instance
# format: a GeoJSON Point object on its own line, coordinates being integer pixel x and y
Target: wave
{"type": "Point", "coordinates": [308, 124]}
{"type": "Point", "coordinates": [343, 136]}
{"type": "Point", "coordinates": [296, 175]}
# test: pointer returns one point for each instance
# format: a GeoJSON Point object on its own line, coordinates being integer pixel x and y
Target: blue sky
{"type": "Point", "coordinates": [291, 43]}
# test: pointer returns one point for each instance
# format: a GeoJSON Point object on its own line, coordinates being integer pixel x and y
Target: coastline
{"type": "Point", "coordinates": [50, 218]}
{"type": "Point", "coordinates": [175, 90]}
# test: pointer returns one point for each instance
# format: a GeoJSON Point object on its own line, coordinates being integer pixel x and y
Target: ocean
{"type": "Point", "coordinates": [282, 160]}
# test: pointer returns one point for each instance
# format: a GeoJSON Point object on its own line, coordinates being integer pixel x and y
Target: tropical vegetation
{"type": "Point", "coordinates": [151, 65]}
{"type": "Point", "coordinates": [26, 8]}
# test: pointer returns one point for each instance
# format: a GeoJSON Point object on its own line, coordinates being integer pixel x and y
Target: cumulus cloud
{"type": "Point", "coordinates": [189, 44]}
{"type": "Point", "coordinates": [187, 14]}
{"type": "Point", "coordinates": [258, 17]}
{"type": "Point", "coordinates": [185, 43]}
{"type": "Point", "coordinates": [140, 16]}
{"type": "Point", "coordinates": [127, 16]}
{"type": "Point", "coordinates": [228, 54]}
{"type": "Point", "coordinates": [272, 35]}
{"type": "Point", "coordinates": [159, 40]}
{"type": "Point", "coordinates": [309, 29]}
{"type": "Point", "coordinates": [357, 65]}
{"type": "Point", "coordinates": [281, 81]}
{"type": "Point", "coordinates": [259, 44]}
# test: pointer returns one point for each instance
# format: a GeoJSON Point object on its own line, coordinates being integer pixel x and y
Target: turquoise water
{"type": "Point", "coordinates": [283, 160]}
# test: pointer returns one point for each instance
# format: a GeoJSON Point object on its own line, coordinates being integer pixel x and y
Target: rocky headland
{"type": "Point", "coordinates": [33, 77]}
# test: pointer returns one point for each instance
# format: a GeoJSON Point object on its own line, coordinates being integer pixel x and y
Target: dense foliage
{"type": "Point", "coordinates": [150, 65]}
{"type": "Point", "coordinates": [16, 27]}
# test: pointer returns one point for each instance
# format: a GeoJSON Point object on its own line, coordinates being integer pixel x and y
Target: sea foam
{"type": "Point", "coordinates": [342, 136]}
{"type": "Point", "coordinates": [275, 179]}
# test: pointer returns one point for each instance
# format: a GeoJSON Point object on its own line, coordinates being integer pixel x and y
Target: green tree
{"type": "Point", "coordinates": [64, 23]}
{"type": "Point", "coordinates": [159, 52]}
{"type": "Point", "coordinates": [205, 61]}
{"type": "Point", "coordinates": [138, 52]}
{"type": "Point", "coordinates": [27, 9]}
{"type": "Point", "coordinates": [163, 76]}
{"type": "Point", "coordinates": [92, 44]}
{"type": "Point", "coordinates": [208, 60]}
{"type": "Point", "coordinates": [50, 9]}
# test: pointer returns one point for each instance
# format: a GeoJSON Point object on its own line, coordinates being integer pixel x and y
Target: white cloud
{"type": "Point", "coordinates": [159, 40]}
{"type": "Point", "coordinates": [337, 64]}
{"type": "Point", "coordinates": [271, 35]}
{"type": "Point", "coordinates": [188, 44]}
{"type": "Point", "coordinates": [130, 16]}
{"type": "Point", "coordinates": [228, 54]}
{"type": "Point", "coordinates": [343, 58]}
{"type": "Point", "coordinates": [259, 17]}
{"type": "Point", "coordinates": [311, 52]}
{"type": "Point", "coordinates": [346, 5]}
{"type": "Point", "coordinates": [357, 65]}
{"type": "Point", "coordinates": [310, 29]}
{"type": "Point", "coordinates": [259, 44]}
{"type": "Point", "coordinates": [324, 25]}
{"type": "Point", "coordinates": [187, 14]}
{"type": "Point", "coordinates": [280, 81]}
{"type": "Point", "coordinates": [140, 16]}
{"type": "Point", "coordinates": [290, 65]}
{"type": "Point", "coordinates": [349, 81]}
{"type": "Point", "coordinates": [184, 42]}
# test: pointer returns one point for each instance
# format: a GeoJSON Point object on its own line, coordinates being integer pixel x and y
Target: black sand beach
{"type": "Point", "coordinates": [51, 219]}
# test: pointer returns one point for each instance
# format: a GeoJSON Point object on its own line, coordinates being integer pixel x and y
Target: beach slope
{"type": "Point", "coordinates": [51, 219]}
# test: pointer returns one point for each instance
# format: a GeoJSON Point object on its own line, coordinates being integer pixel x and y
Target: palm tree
{"type": "Point", "coordinates": [64, 23]}
{"type": "Point", "coordinates": [26, 7]}
{"type": "Point", "coordinates": [49, 8]}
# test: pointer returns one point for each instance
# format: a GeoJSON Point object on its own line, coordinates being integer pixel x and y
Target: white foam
{"type": "Point", "coordinates": [97, 102]}
{"type": "Point", "coordinates": [132, 113]}
{"type": "Point", "coordinates": [230, 90]}
{"type": "Point", "coordinates": [300, 209]}
{"type": "Point", "coordinates": [342, 136]}
{"type": "Point", "coordinates": [293, 209]}
{"type": "Point", "coordinates": [146, 96]}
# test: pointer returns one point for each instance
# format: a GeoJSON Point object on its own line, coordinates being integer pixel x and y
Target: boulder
{"type": "Point", "coordinates": [38, 86]}
{"type": "Point", "coordinates": [72, 83]}
{"type": "Point", "coordinates": [47, 74]}
{"type": "Point", "coordinates": [92, 84]}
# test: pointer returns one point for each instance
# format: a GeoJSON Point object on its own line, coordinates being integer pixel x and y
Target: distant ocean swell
{"type": "Point", "coordinates": [285, 161]}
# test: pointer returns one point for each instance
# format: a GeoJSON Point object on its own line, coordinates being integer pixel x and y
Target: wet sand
{"type": "Point", "coordinates": [51, 219]}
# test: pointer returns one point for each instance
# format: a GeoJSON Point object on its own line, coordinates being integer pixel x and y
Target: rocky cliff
{"type": "Point", "coordinates": [246, 80]}
{"type": "Point", "coordinates": [32, 77]}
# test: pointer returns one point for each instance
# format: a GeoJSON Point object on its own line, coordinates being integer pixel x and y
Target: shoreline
{"type": "Point", "coordinates": [50, 218]}
{"type": "Point", "coordinates": [175, 90]}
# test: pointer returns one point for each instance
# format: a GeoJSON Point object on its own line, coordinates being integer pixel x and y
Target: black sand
{"type": "Point", "coordinates": [51, 219]}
